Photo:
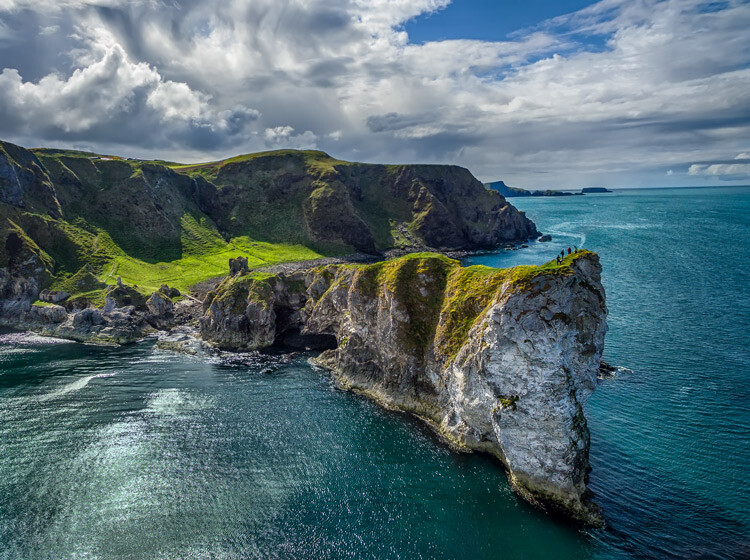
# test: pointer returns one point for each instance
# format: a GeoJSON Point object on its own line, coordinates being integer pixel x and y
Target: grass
{"type": "Point", "coordinates": [84, 262]}
{"type": "Point", "coordinates": [197, 267]}
{"type": "Point", "coordinates": [316, 159]}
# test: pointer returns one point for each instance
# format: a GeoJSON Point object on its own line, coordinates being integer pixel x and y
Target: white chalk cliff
{"type": "Point", "coordinates": [500, 361]}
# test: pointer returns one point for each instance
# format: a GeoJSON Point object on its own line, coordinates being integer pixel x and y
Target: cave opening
{"type": "Point", "coordinates": [289, 333]}
{"type": "Point", "coordinates": [13, 246]}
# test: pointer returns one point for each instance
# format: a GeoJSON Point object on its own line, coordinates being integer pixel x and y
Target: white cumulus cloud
{"type": "Point", "coordinates": [615, 92]}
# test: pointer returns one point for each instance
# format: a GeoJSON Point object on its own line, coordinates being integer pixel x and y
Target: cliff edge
{"type": "Point", "coordinates": [500, 361]}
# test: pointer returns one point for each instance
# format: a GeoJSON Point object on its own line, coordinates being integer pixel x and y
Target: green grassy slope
{"type": "Point", "coordinates": [130, 219]}
{"type": "Point", "coordinates": [89, 218]}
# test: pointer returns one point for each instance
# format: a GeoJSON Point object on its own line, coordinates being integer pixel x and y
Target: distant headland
{"type": "Point", "coordinates": [508, 192]}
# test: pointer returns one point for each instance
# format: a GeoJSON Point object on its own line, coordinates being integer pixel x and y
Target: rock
{"type": "Point", "coordinates": [170, 292]}
{"type": "Point", "coordinates": [594, 190]}
{"type": "Point", "coordinates": [545, 238]}
{"type": "Point", "coordinates": [244, 318]}
{"type": "Point", "coordinates": [53, 296]}
{"type": "Point", "coordinates": [48, 314]}
{"type": "Point", "coordinates": [501, 363]}
{"type": "Point", "coordinates": [90, 317]}
{"type": "Point", "coordinates": [124, 295]}
{"type": "Point", "coordinates": [238, 266]}
{"type": "Point", "coordinates": [119, 282]}
{"type": "Point", "coordinates": [159, 304]}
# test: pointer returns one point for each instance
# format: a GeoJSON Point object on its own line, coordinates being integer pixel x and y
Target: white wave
{"type": "Point", "coordinates": [625, 227]}
{"type": "Point", "coordinates": [28, 338]}
{"type": "Point", "coordinates": [558, 233]}
{"type": "Point", "coordinates": [76, 385]}
{"type": "Point", "coordinates": [176, 403]}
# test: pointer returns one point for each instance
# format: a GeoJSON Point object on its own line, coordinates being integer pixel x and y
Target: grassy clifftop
{"type": "Point", "coordinates": [441, 299]}
{"type": "Point", "coordinates": [90, 218]}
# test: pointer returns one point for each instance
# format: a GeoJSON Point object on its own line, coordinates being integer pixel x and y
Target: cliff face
{"type": "Point", "coordinates": [500, 361]}
{"type": "Point", "coordinates": [368, 207]}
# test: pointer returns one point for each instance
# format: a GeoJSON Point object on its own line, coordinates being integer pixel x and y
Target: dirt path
{"type": "Point", "coordinates": [111, 272]}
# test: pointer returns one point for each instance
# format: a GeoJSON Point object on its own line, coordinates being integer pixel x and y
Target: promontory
{"type": "Point", "coordinates": [104, 249]}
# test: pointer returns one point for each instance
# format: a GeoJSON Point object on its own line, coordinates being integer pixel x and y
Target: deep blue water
{"type": "Point", "coordinates": [139, 453]}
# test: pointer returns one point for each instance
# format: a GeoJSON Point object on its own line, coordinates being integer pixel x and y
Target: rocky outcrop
{"type": "Point", "coordinates": [116, 326]}
{"type": "Point", "coordinates": [53, 296]}
{"type": "Point", "coordinates": [500, 361]}
{"type": "Point", "coordinates": [159, 304]}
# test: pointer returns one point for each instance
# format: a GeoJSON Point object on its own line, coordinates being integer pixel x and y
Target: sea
{"type": "Point", "coordinates": [138, 453]}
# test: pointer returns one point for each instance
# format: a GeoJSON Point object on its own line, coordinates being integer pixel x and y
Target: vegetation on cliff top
{"type": "Point", "coordinates": [90, 218]}
{"type": "Point", "coordinates": [442, 299]}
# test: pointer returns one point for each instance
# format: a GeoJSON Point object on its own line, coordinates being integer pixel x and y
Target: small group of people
{"type": "Point", "coordinates": [561, 256]}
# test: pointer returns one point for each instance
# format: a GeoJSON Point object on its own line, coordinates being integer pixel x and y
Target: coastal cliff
{"type": "Point", "coordinates": [74, 221]}
{"type": "Point", "coordinates": [499, 361]}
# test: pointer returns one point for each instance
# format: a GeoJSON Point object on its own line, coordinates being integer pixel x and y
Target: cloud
{"type": "Point", "coordinates": [732, 170]}
{"type": "Point", "coordinates": [284, 137]}
{"type": "Point", "coordinates": [615, 92]}
{"type": "Point", "coordinates": [111, 96]}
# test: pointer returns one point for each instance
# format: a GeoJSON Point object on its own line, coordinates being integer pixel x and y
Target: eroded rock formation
{"type": "Point", "coordinates": [499, 361]}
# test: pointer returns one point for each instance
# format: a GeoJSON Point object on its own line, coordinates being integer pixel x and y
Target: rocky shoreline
{"type": "Point", "coordinates": [497, 361]}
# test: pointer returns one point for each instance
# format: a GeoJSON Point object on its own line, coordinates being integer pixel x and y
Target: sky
{"type": "Point", "coordinates": [538, 93]}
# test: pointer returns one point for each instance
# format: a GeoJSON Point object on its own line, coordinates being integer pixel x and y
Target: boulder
{"type": "Point", "coordinates": [169, 292]}
{"type": "Point", "coordinates": [545, 238]}
{"type": "Point", "coordinates": [48, 314]}
{"type": "Point", "coordinates": [159, 304]}
{"type": "Point", "coordinates": [90, 317]}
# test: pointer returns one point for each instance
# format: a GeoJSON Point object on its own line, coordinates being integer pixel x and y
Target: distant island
{"type": "Point", "coordinates": [507, 191]}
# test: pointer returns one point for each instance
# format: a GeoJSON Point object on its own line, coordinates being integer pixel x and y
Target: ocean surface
{"type": "Point", "coordinates": [137, 453]}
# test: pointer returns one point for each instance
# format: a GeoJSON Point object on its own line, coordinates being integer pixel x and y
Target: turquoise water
{"type": "Point", "coordinates": [138, 453]}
